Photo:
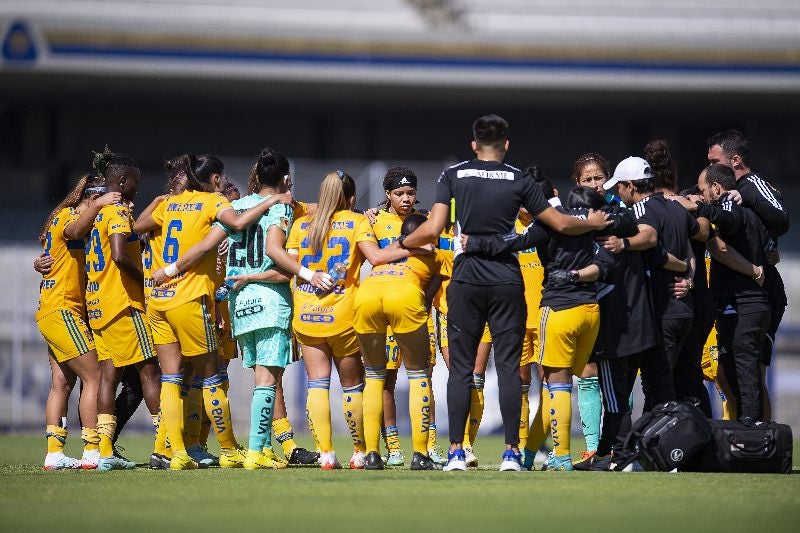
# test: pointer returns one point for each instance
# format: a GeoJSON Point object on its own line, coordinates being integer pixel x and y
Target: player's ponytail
{"type": "Point", "coordinates": [335, 194]}
{"type": "Point", "coordinates": [82, 189]}
{"type": "Point", "coordinates": [109, 164]}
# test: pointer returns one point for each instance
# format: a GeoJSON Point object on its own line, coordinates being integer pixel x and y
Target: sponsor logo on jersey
{"type": "Point", "coordinates": [47, 284]}
{"type": "Point", "coordinates": [247, 311]}
{"type": "Point", "coordinates": [182, 208]}
{"type": "Point", "coordinates": [485, 174]}
{"type": "Point", "coordinates": [316, 318]}
{"type": "Point", "coordinates": [162, 293]}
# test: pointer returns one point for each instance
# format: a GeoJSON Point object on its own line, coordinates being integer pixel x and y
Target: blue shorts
{"type": "Point", "coordinates": [266, 347]}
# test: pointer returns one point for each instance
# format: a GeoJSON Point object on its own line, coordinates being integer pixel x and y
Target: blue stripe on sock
{"type": "Point", "coordinates": [324, 383]}
{"type": "Point", "coordinates": [354, 388]}
{"type": "Point", "coordinates": [197, 383]}
{"type": "Point", "coordinates": [553, 387]}
{"type": "Point", "coordinates": [417, 374]}
{"type": "Point", "coordinates": [176, 379]}
{"type": "Point", "coordinates": [212, 381]}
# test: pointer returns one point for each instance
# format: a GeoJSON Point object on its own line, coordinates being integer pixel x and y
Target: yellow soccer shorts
{"type": "Point", "coordinates": [126, 339]}
{"type": "Point", "coordinates": [441, 331]}
{"type": "Point", "coordinates": [568, 336]}
{"type": "Point", "coordinates": [710, 357]}
{"type": "Point", "coordinates": [66, 334]}
{"type": "Point", "coordinates": [376, 310]}
{"type": "Point", "coordinates": [343, 344]}
{"type": "Point", "coordinates": [191, 325]}
{"type": "Point", "coordinates": [530, 347]}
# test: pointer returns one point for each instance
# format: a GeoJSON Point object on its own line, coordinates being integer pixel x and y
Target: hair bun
{"type": "Point", "coordinates": [267, 157]}
{"type": "Point", "coordinates": [100, 160]}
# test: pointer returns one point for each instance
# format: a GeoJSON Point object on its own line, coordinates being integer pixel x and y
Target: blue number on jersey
{"type": "Point", "coordinates": [171, 243]}
{"type": "Point", "coordinates": [93, 243]}
{"type": "Point", "coordinates": [334, 242]}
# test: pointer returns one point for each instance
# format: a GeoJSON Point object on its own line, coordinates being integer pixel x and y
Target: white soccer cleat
{"type": "Point", "coordinates": [327, 461]}
{"type": "Point", "coordinates": [358, 460]}
{"type": "Point", "coordinates": [59, 461]}
{"type": "Point", "coordinates": [90, 459]}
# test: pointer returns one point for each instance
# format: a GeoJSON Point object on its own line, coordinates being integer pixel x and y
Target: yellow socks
{"type": "Point", "coordinates": [172, 411]}
{"type": "Point", "coordinates": [540, 426]}
{"type": "Point", "coordinates": [419, 407]}
{"type": "Point", "coordinates": [432, 435]}
{"type": "Point", "coordinates": [318, 405]}
{"type": "Point", "coordinates": [282, 429]}
{"type": "Point", "coordinates": [475, 410]}
{"type": "Point", "coordinates": [106, 426]}
{"type": "Point", "coordinates": [56, 438]}
{"type": "Point", "coordinates": [91, 440]}
{"type": "Point", "coordinates": [353, 408]}
{"type": "Point", "coordinates": [218, 410]}
{"type": "Point", "coordinates": [193, 408]}
{"type": "Point", "coordinates": [524, 416]}
{"type": "Point", "coordinates": [373, 406]}
{"type": "Point", "coordinates": [560, 417]}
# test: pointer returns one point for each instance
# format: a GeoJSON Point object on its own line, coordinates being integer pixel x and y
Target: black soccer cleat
{"type": "Point", "coordinates": [423, 462]}
{"type": "Point", "coordinates": [374, 461]}
{"type": "Point", "coordinates": [586, 461]}
{"type": "Point", "coordinates": [158, 462]}
{"type": "Point", "coordinates": [301, 456]}
{"type": "Point", "coordinates": [118, 453]}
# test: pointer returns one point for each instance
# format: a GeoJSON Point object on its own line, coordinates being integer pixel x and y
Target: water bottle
{"type": "Point", "coordinates": [224, 291]}
{"type": "Point", "coordinates": [337, 273]}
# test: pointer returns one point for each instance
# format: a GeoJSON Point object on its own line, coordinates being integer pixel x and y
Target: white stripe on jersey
{"type": "Point", "coordinates": [727, 206]}
{"type": "Point", "coordinates": [638, 207]}
{"type": "Point", "coordinates": [765, 191]}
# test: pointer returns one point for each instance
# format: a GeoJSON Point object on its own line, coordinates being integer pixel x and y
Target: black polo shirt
{"type": "Point", "coordinates": [674, 226]}
{"type": "Point", "coordinates": [488, 195]}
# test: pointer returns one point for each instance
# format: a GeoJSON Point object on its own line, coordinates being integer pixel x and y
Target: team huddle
{"type": "Point", "coordinates": [678, 286]}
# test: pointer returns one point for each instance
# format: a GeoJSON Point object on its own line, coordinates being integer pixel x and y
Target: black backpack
{"type": "Point", "coordinates": [669, 436]}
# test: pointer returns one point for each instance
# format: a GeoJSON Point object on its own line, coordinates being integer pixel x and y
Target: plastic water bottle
{"type": "Point", "coordinates": [337, 273]}
{"type": "Point", "coordinates": [224, 291]}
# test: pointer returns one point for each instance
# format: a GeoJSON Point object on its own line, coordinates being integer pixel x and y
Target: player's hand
{"type": "Point", "coordinates": [159, 276]}
{"type": "Point", "coordinates": [108, 198]}
{"type": "Point", "coordinates": [598, 219]}
{"type": "Point", "coordinates": [285, 198]}
{"type": "Point", "coordinates": [240, 280]}
{"type": "Point", "coordinates": [613, 244]}
{"type": "Point", "coordinates": [735, 197]}
{"type": "Point", "coordinates": [558, 278]}
{"type": "Point", "coordinates": [773, 257]}
{"type": "Point", "coordinates": [371, 214]}
{"type": "Point", "coordinates": [322, 281]}
{"type": "Point", "coordinates": [685, 202]}
{"type": "Point", "coordinates": [222, 249]}
{"type": "Point", "coordinates": [680, 289]}
{"type": "Point", "coordinates": [43, 264]}
{"type": "Point", "coordinates": [464, 239]}
{"type": "Point", "coordinates": [427, 249]}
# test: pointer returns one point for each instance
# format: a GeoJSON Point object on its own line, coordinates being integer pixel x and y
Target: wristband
{"type": "Point", "coordinates": [625, 243]}
{"type": "Point", "coordinates": [305, 273]}
{"type": "Point", "coordinates": [171, 270]}
{"type": "Point", "coordinates": [574, 276]}
{"type": "Point", "coordinates": [760, 274]}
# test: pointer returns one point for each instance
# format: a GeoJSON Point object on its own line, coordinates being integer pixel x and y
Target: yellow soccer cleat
{"type": "Point", "coordinates": [279, 461]}
{"type": "Point", "coordinates": [255, 460]}
{"type": "Point", "coordinates": [231, 458]}
{"type": "Point", "coordinates": [182, 461]}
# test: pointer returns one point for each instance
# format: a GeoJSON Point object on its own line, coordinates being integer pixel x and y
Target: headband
{"type": "Point", "coordinates": [401, 181]}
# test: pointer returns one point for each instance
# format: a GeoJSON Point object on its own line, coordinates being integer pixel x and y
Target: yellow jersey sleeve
{"type": "Point", "coordinates": [64, 286]}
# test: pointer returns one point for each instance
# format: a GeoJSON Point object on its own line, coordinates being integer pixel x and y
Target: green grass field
{"type": "Point", "coordinates": [393, 500]}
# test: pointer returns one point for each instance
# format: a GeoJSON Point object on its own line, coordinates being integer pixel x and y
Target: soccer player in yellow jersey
{"type": "Point", "coordinates": [181, 310]}
{"type": "Point", "coordinates": [394, 295]}
{"type": "Point", "coordinates": [335, 240]}
{"type": "Point", "coordinates": [115, 303]}
{"type": "Point", "coordinates": [60, 318]}
{"type": "Point", "coordinates": [400, 186]}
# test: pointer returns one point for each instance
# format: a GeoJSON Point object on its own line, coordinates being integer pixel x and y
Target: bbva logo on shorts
{"type": "Point", "coordinates": [676, 455]}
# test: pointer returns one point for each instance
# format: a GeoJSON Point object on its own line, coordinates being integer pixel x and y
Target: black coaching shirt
{"type": "Point", "coordinates": [674, 225]}
{"type": "Point", "coordinates": [488, 195]}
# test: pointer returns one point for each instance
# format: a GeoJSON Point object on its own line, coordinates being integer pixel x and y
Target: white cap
{"type": "Point", "coordinates": [630, 169]}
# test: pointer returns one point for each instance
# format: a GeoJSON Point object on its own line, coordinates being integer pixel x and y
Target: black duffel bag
{"type": "Point", "coordinates": [760, 447]}
{"type": "Point", "coordinates": [669, 436]}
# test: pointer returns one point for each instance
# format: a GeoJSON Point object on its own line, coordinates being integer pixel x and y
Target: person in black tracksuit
{"type": "Point", "coordinates": [732, 149]}
{"type": "Point", "coordinates": [487, 195]}
{"type": "Point", "coordinates": [743, 310]}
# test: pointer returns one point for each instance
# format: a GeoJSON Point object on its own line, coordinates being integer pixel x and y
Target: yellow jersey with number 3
{"type": "Point", "coordinates": [65, 285]}
{"type": "Point", "coordinates": [331, 313]}
{"type": "Point", "coordinates": [109, 291]}
{"type": "Point", "coordinates": [185, 220]}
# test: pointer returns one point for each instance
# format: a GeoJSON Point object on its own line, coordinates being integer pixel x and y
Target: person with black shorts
{"type": "Point", "coordinates": [487, 194]}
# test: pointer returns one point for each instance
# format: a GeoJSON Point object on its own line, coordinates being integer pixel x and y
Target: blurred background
{"type": "Point", "coordinates": [366, 85]}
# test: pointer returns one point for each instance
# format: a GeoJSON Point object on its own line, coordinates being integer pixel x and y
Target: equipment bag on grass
{"type": "Point", "coordinates": [761, 447]}
{"type": "Point", "coordinates": [669, 436]}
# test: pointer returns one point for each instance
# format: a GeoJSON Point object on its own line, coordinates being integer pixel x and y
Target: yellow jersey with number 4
{"type": "Point", "coordinates": [65, 285]}
{"type": "Point", "coordinates": [185, 220]}
{"type": "Point", "coordinates": [109, 291]}
{"type": "Point", "coordinates": [328, 314]}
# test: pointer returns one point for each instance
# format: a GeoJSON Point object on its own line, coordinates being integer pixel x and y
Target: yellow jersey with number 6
{"type": "Point", "coordinates": [185, 220]}
{"type": "Point", "coordinates": [328, 314]}
{"type": "Point", "coordinates": [109, 291]}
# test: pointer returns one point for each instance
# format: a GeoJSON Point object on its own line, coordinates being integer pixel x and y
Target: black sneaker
{"type": "Point", "coordinates": [118, 453]}
{"type": "Point", "coordinates": [586, 461]}
{"type": "Point", "coordinates": [159, 462]}
{"type": "Point", "coordinates": [374, 461]}
{"type": "Point", "coordinates": [301, 456]}
{"type": "Point", "coordinates": [423, 462]}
